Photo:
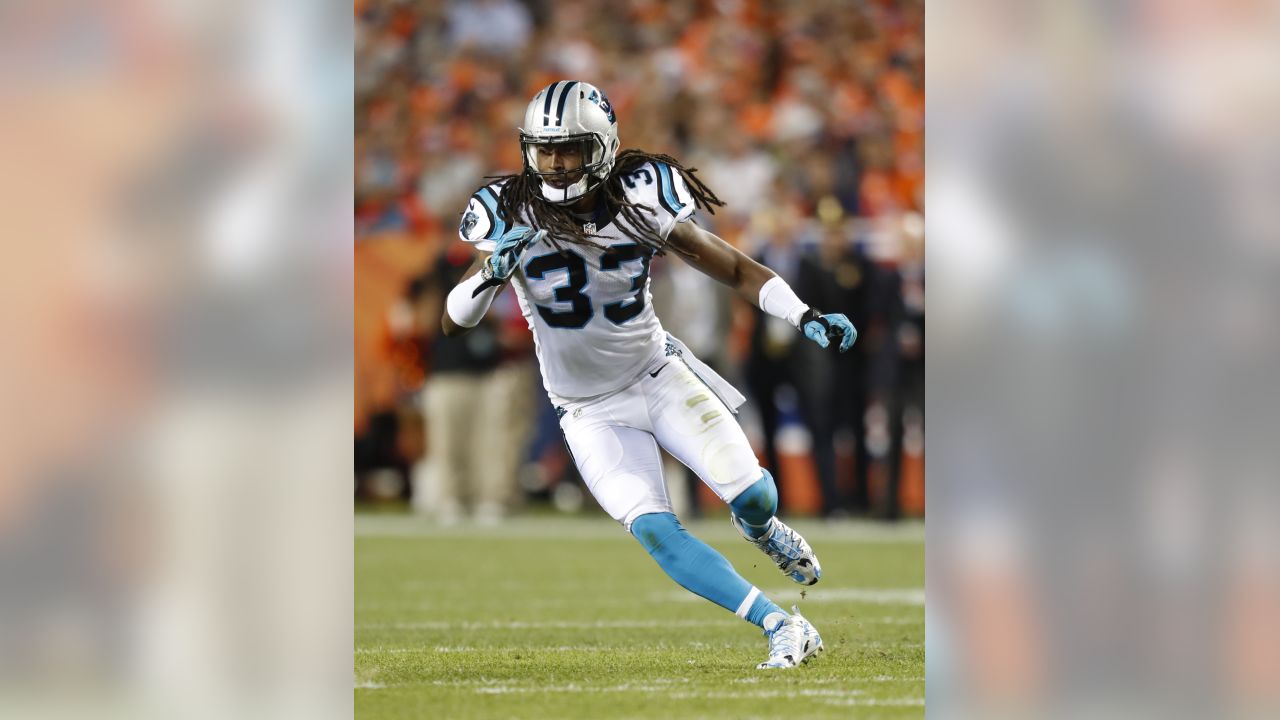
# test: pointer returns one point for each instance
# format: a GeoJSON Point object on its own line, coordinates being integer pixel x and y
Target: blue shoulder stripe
{"type": "Point", "coordinates": [667, 190]}
{"type": "Point", "coordinates": [497, 226]}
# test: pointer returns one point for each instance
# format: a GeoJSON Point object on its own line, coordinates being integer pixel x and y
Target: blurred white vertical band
{"type": "Point", "coordinates": [1105, 268]}
{"type": "Point", "coordinates": [175, 386]}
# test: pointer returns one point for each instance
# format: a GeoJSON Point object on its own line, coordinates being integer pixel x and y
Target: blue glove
{"type": "Point", "coordinates": [502, 263]}
{"type": "Point", "coordinates": [822, 329]}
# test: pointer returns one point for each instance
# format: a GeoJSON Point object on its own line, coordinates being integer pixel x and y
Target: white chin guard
{"type": "Point", "coordinates": [560, 196]}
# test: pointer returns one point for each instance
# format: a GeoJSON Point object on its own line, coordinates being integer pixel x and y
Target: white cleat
{"type": "Point", "coordinates": [792, 554]}
{"type": "Point", "coordinates": [794, 641]}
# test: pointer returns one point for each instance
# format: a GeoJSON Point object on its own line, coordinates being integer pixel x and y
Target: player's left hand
{"type": "Point", "coordinates": [822, 329]}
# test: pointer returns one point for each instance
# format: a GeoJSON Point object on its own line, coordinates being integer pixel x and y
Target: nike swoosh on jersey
{"type": "Point", "coordinates": [654, 374]}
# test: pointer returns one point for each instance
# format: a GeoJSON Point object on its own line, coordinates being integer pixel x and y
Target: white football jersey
{"type": "Point", "coordinates": [590, 310]}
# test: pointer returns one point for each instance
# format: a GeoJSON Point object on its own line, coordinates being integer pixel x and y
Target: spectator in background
{"type": "Point", "coordinates": [879, 425]}
{"type": "Point", "coordinates": [465, 410]}
{"type": "Point", "coordinates": [512, 396]}
{"type": "Point", "coordinates": [743, 173]}
{"type": "Point", "coordinates": [830, 389]}
{"type": "Point", "coordinates": [772, 340]}
{"type": "Point", "coordinates": [500, 27]}
{"type": "Point", "coordinates": [910, 342]}
{"type": "Point", "coordinates": [786, 86]}
{"type": "Point", "coordinates": [445, 175]}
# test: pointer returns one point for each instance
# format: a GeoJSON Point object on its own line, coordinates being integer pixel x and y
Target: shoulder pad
{"type": "Point", "coordinates": [662, 188]}
{"type": "Point", "coordinates": [481, 222]}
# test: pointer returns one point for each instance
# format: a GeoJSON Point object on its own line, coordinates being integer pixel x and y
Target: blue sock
{"type": "Point", "coordinates": [757, 504]}
{"type": "Point", "coordinates": [764, 612]}
{"type": "Point", "coordinates": [701, 570]}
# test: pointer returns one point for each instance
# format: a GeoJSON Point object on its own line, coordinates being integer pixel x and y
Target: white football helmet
{"type": "Point", "coordinates": [570, 111]}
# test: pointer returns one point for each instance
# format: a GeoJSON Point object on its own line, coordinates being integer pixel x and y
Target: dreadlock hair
{"type": "Point", "coordinates": [523, 194]}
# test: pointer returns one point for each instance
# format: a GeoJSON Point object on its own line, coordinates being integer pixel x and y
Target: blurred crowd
{"type": "Point", "coordinates": [806, 118]}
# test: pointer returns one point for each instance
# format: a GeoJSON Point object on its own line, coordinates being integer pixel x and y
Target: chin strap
{"type": "Point", "coordinates": [589, 184]}
{"type": "Point", "coordinates": [548, 188]}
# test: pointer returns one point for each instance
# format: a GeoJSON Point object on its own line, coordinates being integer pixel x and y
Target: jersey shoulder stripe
{"type": "Point", "coordinates": [489, 198]}
{"type": "Point", "coordinates": [667, 189]}
{"type": "Point", "coordinates": [483, 221]}
{"type": "Point", "coordinates": [660, 187]}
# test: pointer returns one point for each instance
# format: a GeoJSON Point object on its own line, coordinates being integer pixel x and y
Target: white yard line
{"type": "Point", "coordinates": [670, 688]}
{"type": "Point", "coordinates": [846, 697]}
{"type": "Point", "coordinates": [842, 698]}
{"type": "Point", "coordinates": [834, 681]}
{"type": "Point", "coordinates": [534, 649]}
{"type": "Point", "coordinates": [607, 624]}
{"type": "Point", "coordinates": [468, 648]}
{"type": "Point", "coordinates": [596, 528]}
{"type": "Point", "coordinates": [876, 702]}
{"type": "Point", "coordinates": [874, 596]}
{"type": "Point", "coordinates": [543, 624]}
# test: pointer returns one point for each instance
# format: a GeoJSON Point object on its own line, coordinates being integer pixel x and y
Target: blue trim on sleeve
{"type": "Point", "coordinates": [488, 213]}
{"type": "Point", "coordinates": [667, 190]}
{"type": "Point", "coordinates": [490, 200]}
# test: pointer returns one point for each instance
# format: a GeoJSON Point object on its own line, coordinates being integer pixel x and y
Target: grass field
{"type": "Point", "coordinates": [569, 618]}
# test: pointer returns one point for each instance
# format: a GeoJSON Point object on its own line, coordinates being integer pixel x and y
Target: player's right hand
{"type": "Point", "coordinates": [502, 263]}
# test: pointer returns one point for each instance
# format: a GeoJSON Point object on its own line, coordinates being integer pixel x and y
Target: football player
{"type": "Point", "coordinates": [575, 232]}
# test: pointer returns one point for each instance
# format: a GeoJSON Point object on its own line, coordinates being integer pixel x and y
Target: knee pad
{"type": "Point", "coordinates": [759, 502]}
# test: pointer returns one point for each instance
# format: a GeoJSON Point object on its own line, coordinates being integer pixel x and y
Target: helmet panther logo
{"type": "Point", "coordinates": [599, 98]}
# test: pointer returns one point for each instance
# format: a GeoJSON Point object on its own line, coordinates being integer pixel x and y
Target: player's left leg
{"type": "Point", "coordinates": [696, 427]}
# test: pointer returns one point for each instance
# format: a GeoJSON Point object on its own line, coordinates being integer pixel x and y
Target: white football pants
{"type": "Point", "coordinates": [614, 441]}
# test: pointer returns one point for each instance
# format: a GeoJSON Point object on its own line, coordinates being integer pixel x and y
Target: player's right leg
{"type": "Point", "coordinates": [754, 517]}
{"type": "Point", "coordinates": [696, 427]}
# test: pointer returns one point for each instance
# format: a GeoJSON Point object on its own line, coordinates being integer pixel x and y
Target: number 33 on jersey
{"type": "Point", "coordinates": [590, 309]}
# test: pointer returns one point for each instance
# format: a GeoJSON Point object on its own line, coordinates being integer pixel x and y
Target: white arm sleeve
{"type": "Point", "coordinates": [466, 308]}
{"type": "Point", "coordinates": [779, 300]}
